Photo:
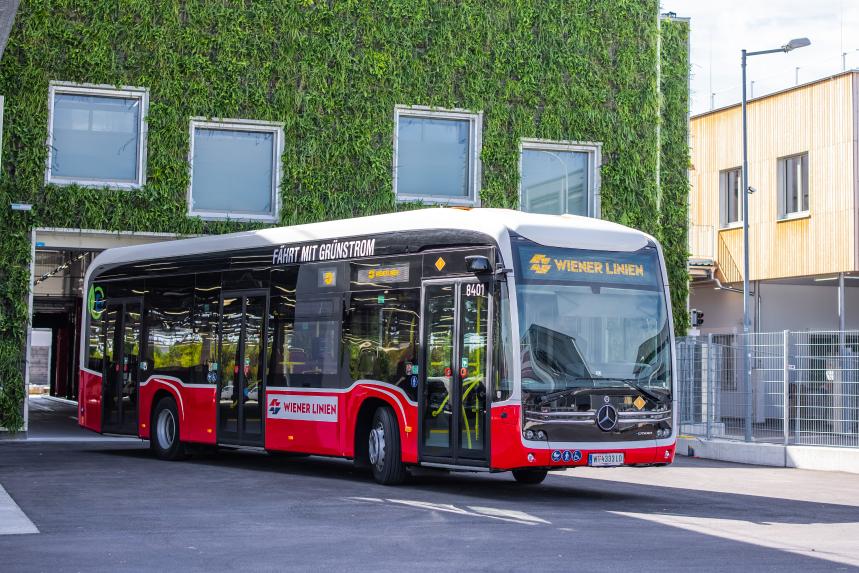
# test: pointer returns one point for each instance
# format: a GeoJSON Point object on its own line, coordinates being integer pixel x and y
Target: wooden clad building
{"type": "Point", "coordinates": [803, 164]}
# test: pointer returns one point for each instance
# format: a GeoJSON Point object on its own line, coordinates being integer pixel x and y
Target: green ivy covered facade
{"type": "Point", "coordinates": [332, 72]}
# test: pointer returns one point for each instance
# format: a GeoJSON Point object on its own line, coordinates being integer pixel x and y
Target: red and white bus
{"type": "Point", "coordinates": [475, 340]}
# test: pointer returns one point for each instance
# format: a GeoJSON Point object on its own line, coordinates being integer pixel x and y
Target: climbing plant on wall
{"type": "Point", "coordinates": [332, 72]}
{"type": "Point", "coordinates": [674, 163]}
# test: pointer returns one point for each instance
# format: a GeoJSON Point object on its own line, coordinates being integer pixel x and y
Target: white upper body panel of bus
{"type": "Point", "coordinates": [551, 230]}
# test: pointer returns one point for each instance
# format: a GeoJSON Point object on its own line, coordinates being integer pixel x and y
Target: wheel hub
{"type": "Point", "coordinates": [377, 446]}
{"type": "Point", "coordinates": [165, 429]}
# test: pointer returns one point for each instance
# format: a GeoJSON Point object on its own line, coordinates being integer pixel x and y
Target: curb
{"type": "Point", "coordinates": [821, 458]}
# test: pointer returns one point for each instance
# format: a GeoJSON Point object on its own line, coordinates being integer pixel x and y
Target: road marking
{"type": "Point", "coordinates": [13, 521]}
{"type": "Point", "coordinates": [820, 540]}
{"type": "Point", "coordinates": [508, 515]}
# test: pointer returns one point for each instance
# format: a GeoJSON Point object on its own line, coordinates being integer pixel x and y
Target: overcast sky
{"type": "Point", "coordinates": [722, 28]}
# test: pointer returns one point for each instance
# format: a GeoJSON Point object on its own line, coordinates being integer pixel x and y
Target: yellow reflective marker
{"type": "Point", "coordinates": [439, 264]}
{"type": "Point", "coordinates": [639, 402]}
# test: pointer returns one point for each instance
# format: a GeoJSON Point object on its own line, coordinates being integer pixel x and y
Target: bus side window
{"type": "Point", "coordinates": [206, 317]}
{"type": "Point", "coordinates": [281, 322]}
{"type": "Point", "coordinates": [174, 345]}
{"type": "Point", "coordinates": [503, 349]}
{"type": "Point", "coordinates": [314, 347]}
{"type": "Point", "coordinates": [95, 360]}
{"type": "Point", "coordinates": [380, 333]}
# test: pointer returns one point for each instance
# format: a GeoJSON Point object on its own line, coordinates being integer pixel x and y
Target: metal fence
{"type": "Point", "coordinates": [780, 387]}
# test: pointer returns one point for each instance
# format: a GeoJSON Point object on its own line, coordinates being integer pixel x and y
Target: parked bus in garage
{"type": "Point", "coordinates": [475, 340]}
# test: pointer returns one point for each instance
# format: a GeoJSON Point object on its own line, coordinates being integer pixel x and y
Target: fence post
{"type": "Point", "coordinates": [786, 387]}
{"type": "Point", "coordinates": [706, 403]}
{"type": "Point", "coordinates": [747, 379]}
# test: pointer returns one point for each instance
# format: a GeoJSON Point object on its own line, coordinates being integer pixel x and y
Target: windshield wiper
{"type": "Point", "coordinates": [565, 392]}
{"type": "Point", "coordinates": [633, 383]}
{"type": "Point", "coordinates": [573, 391]}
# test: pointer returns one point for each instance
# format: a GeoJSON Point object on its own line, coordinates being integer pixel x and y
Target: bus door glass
{"type": "Point", "coordinates": [454, 393]}
{"type": "Point", "coordinates": [121, 367]}
{"type": "Point", "coordinates": [242, 368]}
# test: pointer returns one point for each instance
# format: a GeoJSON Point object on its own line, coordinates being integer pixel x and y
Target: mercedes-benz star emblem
{"type": "Point", "coordinates": [607, 418]}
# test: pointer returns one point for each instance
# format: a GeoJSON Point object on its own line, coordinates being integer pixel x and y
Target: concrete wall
{"type": "Point", "coordinates": [775, 455]}
{"type": "Point", "coordinates": [40, 357]}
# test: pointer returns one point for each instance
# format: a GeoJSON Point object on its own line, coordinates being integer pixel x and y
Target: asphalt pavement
{"type": "Point", "coordinates": [110, 506]}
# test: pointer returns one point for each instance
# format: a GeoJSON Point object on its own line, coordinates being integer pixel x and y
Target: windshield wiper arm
{"type": "Point", "coordinates": [565, 392]}
{"type": "Point", "coordinates": [573, 391]}
{"type": "Point", "coordinates": [632, 383]}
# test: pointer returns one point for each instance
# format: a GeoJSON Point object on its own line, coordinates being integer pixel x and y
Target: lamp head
{"type": "Point", "coordinates": [796, 43]}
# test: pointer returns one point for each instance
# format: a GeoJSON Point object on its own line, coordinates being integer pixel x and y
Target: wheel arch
{"type": "Point", "coordinates": [363, 421]}
{"type": "Point", "coordinates": [161, 392]}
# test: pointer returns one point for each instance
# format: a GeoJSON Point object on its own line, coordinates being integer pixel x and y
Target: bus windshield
{"type": "Point", "coordinates": [592, 319]}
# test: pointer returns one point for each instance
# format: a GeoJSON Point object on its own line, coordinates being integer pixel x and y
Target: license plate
{"type": "Point", "coordinates": [605, 460]}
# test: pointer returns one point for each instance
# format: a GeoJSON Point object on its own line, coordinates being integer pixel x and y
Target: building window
{"type": "Point", "coordinates": [96, 136]}
{"type": "Point", "coordinates": [437, 155]}
{"type": "Point", "coordinates": [793, 185]}
{"type": "Point", "coordinates": [235, 169]}
{"type": "Point", "coordinates": [557, 177]}
{"type": "Point", "coordinates": [730, 198]}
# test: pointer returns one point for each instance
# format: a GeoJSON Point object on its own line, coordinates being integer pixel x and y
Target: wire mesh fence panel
{"type": "Point", "coordinates": [823, 371]}
{"type": "Point", "coordinates": [691, 403]}
{"type": "Point", "coordinates": [783, 387]}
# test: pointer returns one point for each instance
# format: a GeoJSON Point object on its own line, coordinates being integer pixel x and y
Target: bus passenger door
{"type": "Point", "coordinates": [242, 367]}
{"type": "Point", "coordinates": [452, 399]}
{"type": "Point", "coordinates": [121, 367]}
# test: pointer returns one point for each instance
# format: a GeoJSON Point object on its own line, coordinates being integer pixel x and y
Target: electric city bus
{"type": "Point", "coordinates": [471, 340]}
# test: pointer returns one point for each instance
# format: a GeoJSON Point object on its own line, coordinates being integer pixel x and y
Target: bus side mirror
{"type": "Point", "coordinates": [478, 264]}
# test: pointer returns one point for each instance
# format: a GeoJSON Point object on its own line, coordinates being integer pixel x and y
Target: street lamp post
{"type": "Point", "coordinates": [747, 358]}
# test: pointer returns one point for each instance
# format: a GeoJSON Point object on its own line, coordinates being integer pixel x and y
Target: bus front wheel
{"type": "Point", "coordinates": [164, 431]}
{"type": "Point", "coordinates": [384, 448]}
{"type": "Point", "coordinates": [529, 477]}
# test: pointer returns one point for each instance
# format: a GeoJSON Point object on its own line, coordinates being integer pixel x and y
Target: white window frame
{"type": "Point", "coordinates": [781, 182]}
{"type": "Point", "coordinates": [277, 172]}
{"type": "Point", "coordinates": [126, 92]}
{"type": "Point", "coordinates": [594, 151]}
{"type": "Point", "coordinates": [726, 224]}
{"type": "Point", "coordinates": [475, 142]}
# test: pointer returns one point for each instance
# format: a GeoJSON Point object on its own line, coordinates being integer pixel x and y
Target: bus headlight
{"type": "Point", "coordinates": [529, 434]}
{"type": "Point", "coordinates": [541, 435]}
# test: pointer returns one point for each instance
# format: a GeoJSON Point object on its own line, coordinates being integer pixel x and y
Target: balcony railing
{"type": "Point", "coordinates": [702, 244]}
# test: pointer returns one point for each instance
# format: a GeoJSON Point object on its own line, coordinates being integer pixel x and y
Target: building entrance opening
{"type": "Point", "coordinates": [59, 267]}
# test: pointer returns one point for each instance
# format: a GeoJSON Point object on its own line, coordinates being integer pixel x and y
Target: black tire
{"type": "Point", "coordinates": [164, 431]}
{"type": "Point", "coordinates": [530, 477]}
{"type": "Point", "coordinates": [384, 448]}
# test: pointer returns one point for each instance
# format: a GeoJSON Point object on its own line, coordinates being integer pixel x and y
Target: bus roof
{"type": "Point", "coordinates": [553, 230]}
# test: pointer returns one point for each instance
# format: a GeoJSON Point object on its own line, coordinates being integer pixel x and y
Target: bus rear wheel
{"type": "Point", "coordinates": [164, 431]}
{"type": "Point", "coordinates": [384, 448]}
{"type": "Point", "coordinates": [530, 477]}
